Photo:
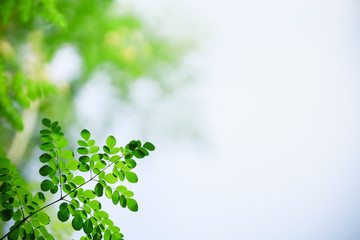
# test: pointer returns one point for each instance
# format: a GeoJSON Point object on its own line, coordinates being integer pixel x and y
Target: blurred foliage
{"type": "Point", "coordinates": [118, 43]}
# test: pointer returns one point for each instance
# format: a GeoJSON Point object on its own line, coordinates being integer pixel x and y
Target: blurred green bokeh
{"type": "Point", "coordinates": [106, 37]}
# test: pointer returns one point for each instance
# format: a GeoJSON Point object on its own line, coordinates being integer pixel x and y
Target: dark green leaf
{"type": "Point", "coordinates": [5, 187]}
{"type": "Point", "coordinates": [54, 189]}
{"type": "Point", "coordinates": [46, 185]}
{"type": "Point", "coordinates": [139, 154]}
{"type": "Point", "coordinates": [63, 214]}
{"type": "Point", "coordinates": [45, 158]}
{"type": "Point", "coordinates": [83, 151]}
{"type": "Point", "coordinates": [45, 132]}
{"type": "Point", "coordinates": [45, 170]}
{"type": "Point", "coordinates": [149, 146]}
{"type": "Point", "coordinates": [77, 222]}
{"type": "Point", "coordinates": [47, 146]}
{"type": "Point", "coordinates": [88, 226]}
{"type": "Point", "coordinates": [84, 159]}
{"type": "Point", "coordinates": [132, 145]}
{"type": "Point", "coordinates": [106, 149]}
{"type": "Point", "coordinates": [46, 122]}
{"type": "Point", "coordinates": [122, 201]}
{"type": "Point", "coordinates": [99, 190]}
{"type": "Point", "coordinates": [84, 167]}
{"type": "Point", "coordinates": [5, 177]}
{"type": "Point", "coordinates": [6, 214]}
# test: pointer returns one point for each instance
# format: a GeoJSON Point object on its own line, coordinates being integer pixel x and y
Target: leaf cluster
{"type": "Point", "coordinates": [64, 174]}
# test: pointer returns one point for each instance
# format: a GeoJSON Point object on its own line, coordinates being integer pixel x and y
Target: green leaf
{"type": "Point", "coordinates": [91, 142]}
{"type": "Point", "coordinates": [82, 143]}
{"type": "Point", "coordinates": [122, 201]}
{"type": "Point", "coordinates": [131, 163]}
{"type": "Point", "coordinates": [62, 164]}
{"type": "Point", "coordinates": [110, 178]}
{"type": "Point", "coordinates": [67, 154]}
{"type": "Point", "coordinates": [132, 204]}
{"type": "Point", "coordinates": [63, 214]}
{"type": "Point", "coordinates": [121, 175]}
{"type": "Point", "coordinates": [47, 146]}
{"type": "Point", "coordinates": [84, 159]}
{"type": "Point", "coordinates": [99, 190]}
{"type": "Point", "coordinates": [94, 204]}
{"type": "Point", "coordinates": [5, 187]}
{"type": "Point", "coordinates": [39, 197]}
{"type": "Point", "coordinates": [46, 185]}
{"type": "Point", "coordinates": [106, 149]}
{"type": "Point", "coordinates": [89, 194]}
{"type": "Point", "coordinates": [149, 146]}
{"type": "Point", "coordinates": [85, 134]}
{"type": "Point", "coordinates": [111, 142]}
{"type": "Point", "coordinates": [54, 189]}
{"type": "Point", "coordinates": [63, 179]}
{"type": "Point", "coordinates": [131, 177]}
{"type": "Point", "coordinates": [114, 229]}
{"type": "Point", "coordinates": [43, 218]}
{"type": "Point", "coordinates": [66, 188]}
{"type": "Point", "coordinates": [103, 214]}
{"type": "Point", "coordinates": [128, 194]}
{"type": "Point", "coordinates": [108, 192]}
{"type": "Point", "coordinates": [62, 143]}
{"type": "Point", "coordinates": [77, 222]}
{"type": "Point", "coordinates": [121, 188]}
{"type": "Point", "coordinates": [88, 226]}
{"type": "Point", "coordinates": [46, 122]}
{"type": "Point", "coordinates": [84, 167]}
{"type": "Point", "coordinates": [72, 164]}
{"type": "Point", "coordinates": [63, 206]}
{"type": "Point", "coordinates": [78, 180]}
{"type": "Point", "coordinates": [94, 149]}
{"type": "Point", "coordinates": [115, 197]}
{"type": "Point", "coordinates": [6, 214]}
{"type": "Point", "coordinates": [107, 234]}
{"type": "Point", "coordinates": [83, 151]}
{"type": "Point", "coordinates": [45, 158]}
{"type": "Point", "coordinates": [100, 164]}
{"type": "Point", "coordinates": [132, 145]}
{"type": "Point", "coordinates": [45, 170]}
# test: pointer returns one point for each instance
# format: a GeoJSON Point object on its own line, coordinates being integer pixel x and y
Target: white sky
{"type": "Point", "coordinates": [277, 96]}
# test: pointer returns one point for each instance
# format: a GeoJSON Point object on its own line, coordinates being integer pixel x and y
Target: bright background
{"type": "Point", "coordinates": [264, 144]}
